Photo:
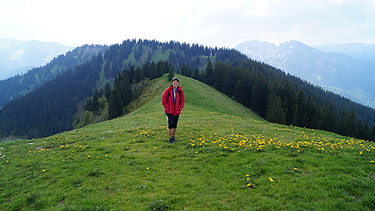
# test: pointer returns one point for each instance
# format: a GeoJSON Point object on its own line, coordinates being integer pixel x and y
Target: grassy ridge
{"type": "Point", "coordinates": [226, 158]}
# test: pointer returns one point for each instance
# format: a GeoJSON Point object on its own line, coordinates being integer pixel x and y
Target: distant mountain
{"type": "Point", "coordinates": [17, 57]}
{"type": "Point", "coordinates": [343, 74]}
{"type": "Point", "coordinates": [356, 50]}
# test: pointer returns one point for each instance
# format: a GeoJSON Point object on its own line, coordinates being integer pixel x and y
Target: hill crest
{"type": "Point", "coordinates": [199, 97]}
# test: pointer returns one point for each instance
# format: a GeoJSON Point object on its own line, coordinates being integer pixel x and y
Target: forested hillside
{"type": "Point", "coordinates": [106, 85]}
{"type": "Point", "coordinates": [19, 85]}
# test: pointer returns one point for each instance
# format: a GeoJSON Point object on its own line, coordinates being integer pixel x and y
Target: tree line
{"type": "Point", "coordinates": [288, 100]}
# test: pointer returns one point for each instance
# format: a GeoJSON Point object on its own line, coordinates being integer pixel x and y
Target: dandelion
{"type": "Point", "coordinates": [148, 168]}
{"type": "Point", "coordinates": [250, 185]}
{"type": "Point", "coordinates": [372, 161]}
{"type": "Point", "coordinates": [196, 152]}
{"type": "Point", "coordinates": [44, 170]}
{"type": "Point", "coordinates": [271, 180]}
{"type": "Point", "coordinates": [88, 156]}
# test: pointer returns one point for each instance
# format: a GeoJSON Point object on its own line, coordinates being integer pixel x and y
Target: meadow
{"type": "Point", "coordinates": [225, 158]}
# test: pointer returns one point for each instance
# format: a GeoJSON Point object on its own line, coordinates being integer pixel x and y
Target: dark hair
{"type": "Point", "coordinates": [176, 79]}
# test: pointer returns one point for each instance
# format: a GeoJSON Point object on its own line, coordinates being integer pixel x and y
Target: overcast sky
{"type": "Point", "coordinates": [209, 22]}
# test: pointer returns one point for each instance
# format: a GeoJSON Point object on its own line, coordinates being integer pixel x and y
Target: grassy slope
{"type": "Point", "coordinates": [226, 158]}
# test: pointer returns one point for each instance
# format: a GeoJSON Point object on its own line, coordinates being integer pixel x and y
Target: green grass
{"type": "Point", "coordinates": [225, 158]}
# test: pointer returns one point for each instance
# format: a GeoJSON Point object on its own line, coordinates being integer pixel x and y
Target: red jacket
{"type": "Point", "coordinates": [167, 100]}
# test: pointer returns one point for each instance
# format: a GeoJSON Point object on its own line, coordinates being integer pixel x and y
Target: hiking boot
{"type": "Point", "coordinates": [172, 140]}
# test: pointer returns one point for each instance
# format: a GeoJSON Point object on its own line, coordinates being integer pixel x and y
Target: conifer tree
{"type": "Point", "coordinates": [209, 74]}
{"type": "Point", "coordinates": [115, 105]}
{"type": "Point", "coordinates": [170, 74]}
{"type": "Point", "coordinates": [275, 110]}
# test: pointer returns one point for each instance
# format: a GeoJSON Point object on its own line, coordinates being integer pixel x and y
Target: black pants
{"type": "Point", "coordinates": [172, 120]}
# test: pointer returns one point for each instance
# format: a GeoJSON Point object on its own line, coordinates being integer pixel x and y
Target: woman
{"type": "Point", "coordinates": [173, 100]}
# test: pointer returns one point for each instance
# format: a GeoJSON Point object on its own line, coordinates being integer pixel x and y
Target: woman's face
{"type": "Point", "coordinates": [175, 83]}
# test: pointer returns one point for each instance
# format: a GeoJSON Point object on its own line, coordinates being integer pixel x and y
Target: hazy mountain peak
{"type": "Point", "coordinates": [292, 43]}
{"type": "Point", "coordinates": [17, 56]}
